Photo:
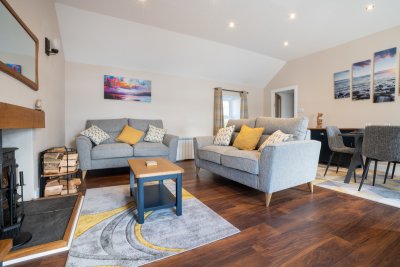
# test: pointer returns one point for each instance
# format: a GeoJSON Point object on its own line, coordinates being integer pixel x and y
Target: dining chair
{"type": "Point", "coordinates": [336, 145]}
{"type": "Point", "coordinates": [381, 143]}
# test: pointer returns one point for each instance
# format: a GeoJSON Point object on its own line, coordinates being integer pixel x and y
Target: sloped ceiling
{"type": "Point", "coordinates": [261, 25]}
{"type": "Point", "coordinates": [99, 39]}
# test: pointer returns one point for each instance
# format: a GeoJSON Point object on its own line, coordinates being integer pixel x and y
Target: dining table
{"type": "Point", "coordinates": [356, 158]}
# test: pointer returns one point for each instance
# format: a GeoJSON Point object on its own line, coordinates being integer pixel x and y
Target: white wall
{"type": "Point", "coordinates": [314, 76]}
{"type": "Point", "coordinates": [40, 16]}
{"type": "Point", "coordinates": [184, 104]}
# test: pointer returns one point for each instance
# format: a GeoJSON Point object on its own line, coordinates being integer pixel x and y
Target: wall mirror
{"type": "Point", "coordinates": [18, 47]}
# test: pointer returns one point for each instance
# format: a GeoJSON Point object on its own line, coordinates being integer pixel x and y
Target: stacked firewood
{"type": "Point", "coordinates": [58, 161]}
{"type": "Point", "coordinates": [61, 186]}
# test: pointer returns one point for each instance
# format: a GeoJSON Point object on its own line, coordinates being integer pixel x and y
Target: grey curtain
{"type": "Point", "coordinates": [244, 111]}
{"type": "Point", "coordinates": [218, 110]}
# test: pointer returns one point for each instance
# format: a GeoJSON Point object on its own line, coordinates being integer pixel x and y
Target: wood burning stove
{"type": "Point", "coordinates": [12, 205]}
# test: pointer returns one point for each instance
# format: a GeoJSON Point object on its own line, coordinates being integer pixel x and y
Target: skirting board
{"type": "Point", "coordinates": [61, 245]}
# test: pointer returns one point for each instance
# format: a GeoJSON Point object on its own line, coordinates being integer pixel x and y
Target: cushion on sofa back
{"type": "Point", "coordinates": [111, 126]}
{"type": "Point", "coordinates": [238, 125]}
{"type": "Point", "coordinates": [295, 126]}
{"type": "Point", "coordinates": [143, 125]}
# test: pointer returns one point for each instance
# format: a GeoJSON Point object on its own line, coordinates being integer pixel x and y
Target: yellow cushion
{"type": "Point", "coordinates": [248, 138]}
{"type": "Point", "coordinates": [129, 135]}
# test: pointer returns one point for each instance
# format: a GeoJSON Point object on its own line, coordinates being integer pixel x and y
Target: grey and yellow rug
{"type": "Point", "coordinates": [388, 193]}
{"type": "Point", "coordinates": [107, 233]}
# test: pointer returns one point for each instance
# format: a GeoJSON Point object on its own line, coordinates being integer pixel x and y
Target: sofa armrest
{"type": "Point", "coordinates": [84, 147]}
{"type": "Point", "coordinates": [171, 141]}
{"type": "Point", "coordinates": [199, 142]}
{"type": "Point", "coordinates": [288, 164]}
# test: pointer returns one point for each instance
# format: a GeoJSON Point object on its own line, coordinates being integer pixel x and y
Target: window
{"type": "Point", "coordinates": [231, 105]}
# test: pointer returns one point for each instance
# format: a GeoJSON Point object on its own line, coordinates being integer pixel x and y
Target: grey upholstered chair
{"type": "Point", "coordinates": [381, 143]}
{"type": "Point", "coordinates": [336, 145]}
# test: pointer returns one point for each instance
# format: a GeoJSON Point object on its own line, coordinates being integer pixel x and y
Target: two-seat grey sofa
{"type": "Point", "coordinates": [277, 167]}
{"type": "Point", "coordinates": [113, 154]}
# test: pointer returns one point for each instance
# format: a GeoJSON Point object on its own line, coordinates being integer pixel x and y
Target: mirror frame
{"type": "Point", "coordinates": [3, 67]}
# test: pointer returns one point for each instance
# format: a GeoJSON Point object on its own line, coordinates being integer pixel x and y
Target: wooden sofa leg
{"type": "Point", "coordinates": [267, 199]}
{"type": "Point", "coordinates": [311, 186]}
{"type": "Point", "coordinates": [84, 175]}
{"type": "Point", "coordinates": [197, 172]}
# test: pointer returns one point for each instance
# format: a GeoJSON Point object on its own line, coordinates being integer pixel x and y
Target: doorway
{"type": "Point", "coordinates": [284, 102]}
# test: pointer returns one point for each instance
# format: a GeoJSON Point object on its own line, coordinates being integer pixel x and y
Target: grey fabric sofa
{"type": "Point", "coordinates": [112, 154]}
{"type": "Point", "coordinates": [277, 167]}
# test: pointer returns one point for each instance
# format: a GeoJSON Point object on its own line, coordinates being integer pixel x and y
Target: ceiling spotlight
{"type": "Point", "coordinates": [292, 15]}
{"type": "Point", "coordinates": [232, 24]}
{"type": "Point", "coordinates": [286, 43]}
{"type": "Point", "coordinates": [370, 7]}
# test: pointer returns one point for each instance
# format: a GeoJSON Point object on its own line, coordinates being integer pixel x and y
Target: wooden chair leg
{"type": "Point", "coordinates": [311, 186]}
{"type": "Point", "coordinates": [84, 174]}
{"type": "Point", "coordinates": [386, 173]}
{"type": "Point", "coordinates": [268, 197]}
{"type": "Point", "coordinates": [376, 166]}
{"type": "Point", "coordinates": [394, 169]}
{"type": "Point", "coordinates": [329, 162]}
{"type": "Point", "coordinates": [365, 172]}
{"type": "Point", "coordinates": [354, 175]}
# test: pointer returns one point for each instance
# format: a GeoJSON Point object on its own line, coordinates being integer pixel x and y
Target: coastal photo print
{"type": "Point", "coordinates": [385, 75]}
{"type": "Point", "coordinates": [342, 84]}
{"type": "Point", "coordinates": [122, 88]}
{"type": "Point", "coordinates": [361, 80]}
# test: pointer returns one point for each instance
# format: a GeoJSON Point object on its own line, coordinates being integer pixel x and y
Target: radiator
{"type": "Point", "coordinates": [185, 148]}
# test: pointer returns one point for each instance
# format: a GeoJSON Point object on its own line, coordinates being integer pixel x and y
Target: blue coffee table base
{"type": "Point", "coordinates": [154, 197]}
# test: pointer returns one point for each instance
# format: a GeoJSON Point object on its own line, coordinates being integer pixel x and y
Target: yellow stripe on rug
{"type": "Point", "coordinates": [87, 221]}
{"type": "Point", "coordinates": [144, 242]}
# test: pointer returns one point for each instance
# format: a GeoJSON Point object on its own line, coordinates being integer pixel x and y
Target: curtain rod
{"type": "Point", "coordinates": [228, 90]}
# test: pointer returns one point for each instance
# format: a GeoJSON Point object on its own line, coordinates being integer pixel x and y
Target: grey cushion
{"type": "Point", "coordinates": [111, 126]}
{"type": "Point", "coordinates": [147, 149]}
{"type": "Point", "coordinates": [262, 140]}
{"type": "Point", "coordinates": [243, 160]}
{"type": "Point", "coordinates": [143, 125]}
{"type": "Point", "coordinates": [295, 126]}
{"type": "Point", "coordinates": [116, 150]}
{"type": "Point", "coordinates": [239, 123]}
{"type": "Point", "coordinates": [213, 153]}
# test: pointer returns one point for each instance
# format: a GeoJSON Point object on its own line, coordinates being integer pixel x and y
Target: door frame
{"type": "Point", "coordinates": [295, 89]}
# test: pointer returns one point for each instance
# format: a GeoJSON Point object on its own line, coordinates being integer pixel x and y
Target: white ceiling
{"type": "Point", "coordinates": [261, 25]}
{"type": "Point", "coordinates": [96, 39]}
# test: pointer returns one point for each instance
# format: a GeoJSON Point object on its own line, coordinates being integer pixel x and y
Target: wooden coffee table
{"type": "Point", "coordinates": [155, 196]}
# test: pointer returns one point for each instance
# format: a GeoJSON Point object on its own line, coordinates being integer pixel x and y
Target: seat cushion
{"type": "Point", "coordinates": [213, 152]}
{"type": "Point", "coordinates": [243, 160]}
{"type": "Point", "coordinates": [115, 150]}
{"type": "Point", "coordinates": [147, 149]}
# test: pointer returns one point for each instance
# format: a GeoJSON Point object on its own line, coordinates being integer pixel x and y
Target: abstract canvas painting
{"type": "Point", "coordinates": [385, 75]}
{"type": "Point", "coordinates": [361, 82]}
{"type": "Point", "coordinates": [122, 88]}
{"type": "Point", "coordinates": [342, 84]}
{"type": "Point", "coordinates": [16, 67]}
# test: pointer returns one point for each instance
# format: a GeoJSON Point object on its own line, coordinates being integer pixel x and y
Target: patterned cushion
{"type": "Point", "coordinates": [224, 135]}
{"type": "Point", "coordinates": [95, 134]}
{"type": "Point", "coordinates": [155, 135]}
{"type": "Point", "coordinates": [275, 138]}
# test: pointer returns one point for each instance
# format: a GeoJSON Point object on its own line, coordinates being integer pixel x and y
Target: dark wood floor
{"type": "Point", "coordinates": [326, 228]}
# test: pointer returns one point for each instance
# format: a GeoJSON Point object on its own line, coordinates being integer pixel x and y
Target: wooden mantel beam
{"type": "Point", "coordinates": [17, 117]}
